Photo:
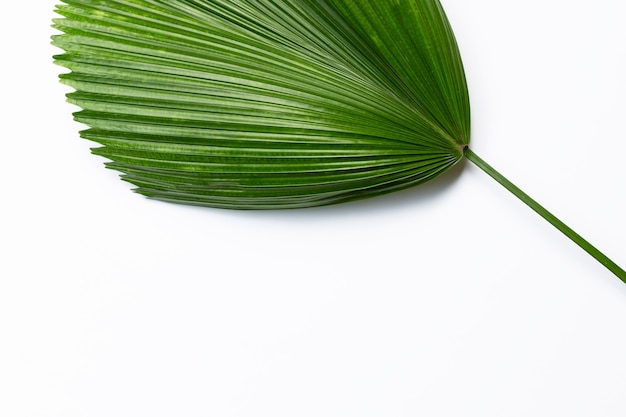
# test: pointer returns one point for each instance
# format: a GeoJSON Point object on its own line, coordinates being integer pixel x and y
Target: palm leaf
{"type": "Point", "coordinates": [267, 104]}
{"type": "Point", "coordinates": [252, 104]}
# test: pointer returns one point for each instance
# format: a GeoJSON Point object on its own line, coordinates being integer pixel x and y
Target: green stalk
{"type": "Point", "coordinates": [553, 220]}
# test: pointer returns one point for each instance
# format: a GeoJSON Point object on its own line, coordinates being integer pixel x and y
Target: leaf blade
{"type": "Point", "coordinates": [272, 104]}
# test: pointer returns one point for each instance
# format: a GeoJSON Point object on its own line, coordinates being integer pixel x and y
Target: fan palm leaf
{"type": "Point", "coordinates": [267, 104]}
{"type": "Point", "coordinates": [264, 104]}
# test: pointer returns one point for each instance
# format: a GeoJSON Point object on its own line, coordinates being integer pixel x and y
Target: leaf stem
{"type": "Point", "coordinates": [566, 230]}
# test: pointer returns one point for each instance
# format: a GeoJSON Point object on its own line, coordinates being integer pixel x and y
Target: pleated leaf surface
{"type": "Point", "coordinates": [260, 104]}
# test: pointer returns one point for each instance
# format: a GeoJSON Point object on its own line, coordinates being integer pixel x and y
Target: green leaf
{"type": "Point", "coordinates": [267, 104]}
{"type": "Point", "coordinates": [263, 104]}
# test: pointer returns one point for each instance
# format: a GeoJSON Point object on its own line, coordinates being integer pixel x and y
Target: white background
{"type": "Point", "coordinates": [451, 299]}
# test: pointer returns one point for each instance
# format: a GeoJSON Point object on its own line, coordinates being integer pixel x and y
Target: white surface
{"type": "Point", "coordinates": [452, 299]}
